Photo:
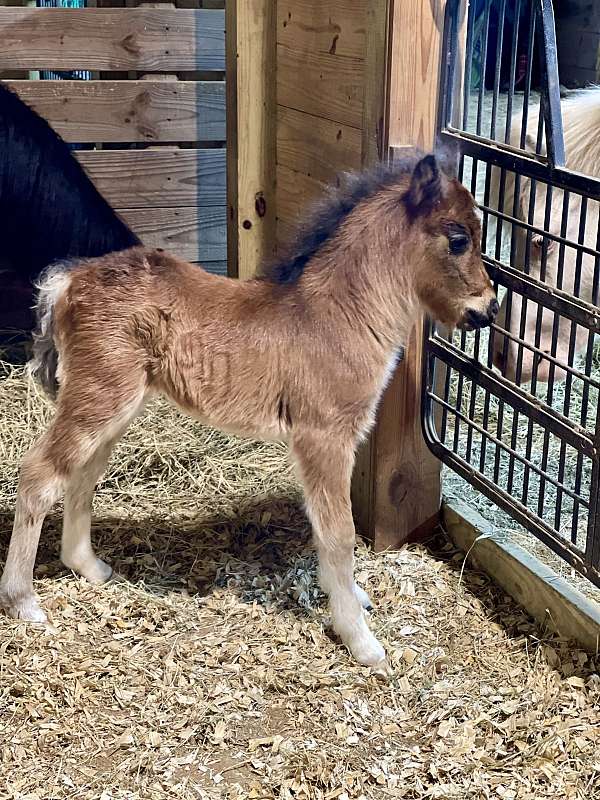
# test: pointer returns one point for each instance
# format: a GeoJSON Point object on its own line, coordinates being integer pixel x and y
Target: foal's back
{"type": "Point", "coordinates": [240, 355]}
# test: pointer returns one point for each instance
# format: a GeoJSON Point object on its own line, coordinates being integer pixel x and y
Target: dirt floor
{"type": "Point", "coordinates": [209, 670]}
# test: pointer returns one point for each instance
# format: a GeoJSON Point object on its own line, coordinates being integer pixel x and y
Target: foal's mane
{"type": "Point", "coordinates": [325, 217]}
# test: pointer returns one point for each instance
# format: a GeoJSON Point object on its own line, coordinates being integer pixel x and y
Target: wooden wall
{"type": "Point", "coordinates": [155, 110]}
{"type": "Point", "coordinates": [321, 48]}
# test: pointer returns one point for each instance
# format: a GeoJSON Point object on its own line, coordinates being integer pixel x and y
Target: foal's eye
{"type": "Point", "coordinates": [458, 243]}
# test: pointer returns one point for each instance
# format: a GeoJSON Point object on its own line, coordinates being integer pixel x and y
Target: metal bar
{"type": "Point", "coordinates": [531, 407]}
{"type": "Point", "coordinates": [531, 171]}
{"type": "Point", "coordinates": [563, 303]}
{"type": "Point", "coordinates": [514, 454]}
{"type": "Point", "coordinates": [550, 97]}
{"type": "Point", "coordinates": [529, 165]}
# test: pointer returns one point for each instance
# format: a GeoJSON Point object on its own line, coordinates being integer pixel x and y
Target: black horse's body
{"type": "Point", "coordinates": [49, 208]}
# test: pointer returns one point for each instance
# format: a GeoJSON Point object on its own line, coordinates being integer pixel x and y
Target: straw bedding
{"type": "Point", "coordinates": [209, 671]}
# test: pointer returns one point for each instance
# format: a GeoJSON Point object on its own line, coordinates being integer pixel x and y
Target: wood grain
{"type": "Point", "coordinates": [336, 27]}
{"type": "Point", "coordinates": [374, 150]}
{"type": "Point", "coordinates": [157, 178]}
{"type": "Point", "coordinates": [417, 27]}
{"type": "Point", "coordinates": [317, 147]}
{"type": "Point", "coordinates": [129, 111]}
{"type": "Point", "coordinates": [196, 234]}
{"type": "Point", "coordinates": [295, 193]}
{"type": "Point", "coordinates": [406, 484]}
{"type": "Point", "coordinates": [550, 599]}
{"type": "Point", "coordinates": [251, 137]}
{"type": "Point", "coordinates": [325, 85]}
{"type": "Point", "coordinates": [112, 39]}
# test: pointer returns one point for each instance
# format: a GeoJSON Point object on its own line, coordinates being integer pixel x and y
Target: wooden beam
{"type": "Point", "coordinates": [325, 85]}
{"type": "Point", "coordinates": [196, 234]}
{"type": "Point", "coordinates": [295, 191]}
{"type": "Point", "coordinates": [373, 150]}
{"type": "Point", "coordinates": [547, 597]}
{"type": "Point", "coordinates": [397, 488]}
{"type": "Point", "coordinates": [336, 27]}
{"type": "Point", "coordinates": [251, 136]}
{"type": "Point", "coordinates": [148, 39]}
{"type": "Point", "coordinates": [129, 111]}
{"type": "Point", "coordinates": [319, 147]}
{"type": "Point", "coordinates": [157, 178]}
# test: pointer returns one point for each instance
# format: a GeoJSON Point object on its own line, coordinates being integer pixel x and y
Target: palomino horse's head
{"type": "Point", "coordinates": [450, 279]}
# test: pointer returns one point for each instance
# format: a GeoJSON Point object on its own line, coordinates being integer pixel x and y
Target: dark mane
{"type": "Point", "coordinates": [327, 216]}
{"type": "Point", "coordinates": [49, 208]}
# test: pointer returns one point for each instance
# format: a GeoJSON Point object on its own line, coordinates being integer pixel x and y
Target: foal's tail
{"type": "Point", "coordinates": [44, 365]}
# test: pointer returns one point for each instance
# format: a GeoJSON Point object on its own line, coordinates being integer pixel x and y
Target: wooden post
{"type": "Point", "coordinates": [397, 487]}
{"type": "Point", "coordinates": [251, 133]}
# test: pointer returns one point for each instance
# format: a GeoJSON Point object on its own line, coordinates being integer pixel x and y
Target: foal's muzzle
{"type": "Point", "coordinates": [473, 319]}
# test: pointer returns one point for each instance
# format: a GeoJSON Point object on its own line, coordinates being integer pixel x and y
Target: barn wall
{"type": "Point", "coordinates": [321, 61]}
{"type": "Point", "coordinates": [154, 113]}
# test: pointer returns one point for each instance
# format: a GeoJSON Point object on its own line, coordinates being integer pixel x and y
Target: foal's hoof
{"type": "Point", "coordinates": [95, 571]}
{"type": "Point", "coordinates": [26, 609]}
{"type": "Point", "coordinates": [100, 573]}
{"type": "Point", "coordinates": [382, 669]}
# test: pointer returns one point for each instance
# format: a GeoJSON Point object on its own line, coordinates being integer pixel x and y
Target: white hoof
{"type": "Point", "coordinates": [367, 650]}
{"type": "Point", "coordinates": [95, 570]}
{"type": "Point", "coordinates": [26, 608]}
{"type": "Point", "coordinates": [382, 669]}
{"type": "Point", "coordinates": [363, 598]}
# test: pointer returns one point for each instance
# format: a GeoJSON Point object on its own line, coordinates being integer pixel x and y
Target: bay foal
{"type": "Point", "coordinates": [302, 354]}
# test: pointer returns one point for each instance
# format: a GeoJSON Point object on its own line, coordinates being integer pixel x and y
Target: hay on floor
{"type": "Point", "coordinates": [209, 670]}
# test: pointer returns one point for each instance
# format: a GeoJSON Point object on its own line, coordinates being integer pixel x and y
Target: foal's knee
{"type": "Point", "coordinates": [40, 485]}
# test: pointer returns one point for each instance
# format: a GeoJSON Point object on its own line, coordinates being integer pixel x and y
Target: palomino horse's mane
{"type": "Point", "coordinates": [325, 217]}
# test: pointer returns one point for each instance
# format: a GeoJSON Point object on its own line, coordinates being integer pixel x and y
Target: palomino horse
{"type": "Point", "coordinates": [300, 354]}
{"type": "Point", "coordinates": [553, 263]}
{"type": "Point", "coordinates": [49, 208]}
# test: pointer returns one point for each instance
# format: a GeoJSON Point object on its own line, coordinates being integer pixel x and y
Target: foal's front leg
{"type": "Point", "coordinates": [326, 470]}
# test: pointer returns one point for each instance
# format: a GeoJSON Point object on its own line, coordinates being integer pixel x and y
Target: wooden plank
{"type": "Point", "coordinates": [251, 133]}
{"type": "Point", "coordinates": [295, 194]}
{"type": "Point", "coordinates": [112, 39]}
{"type": "Point", "coordinates": [196, 234]}
{"type": "Point", "coordinates": [406, 477]}
{"type": "Point", "coordinates": [374, 149]}
{"type": "Point", "coordinates": [536, 587]}
{"type": "Point", "coordinates": [129, 111]}
{"type": "Point", "coordinates": [318, 147]}
{"type": "Point", "coordinates": [417, 27]}
{"type": "Point", "coordinates": [336, 27]}
{"type": "Point", "coordinates": [157, 178]}
{"type": "Point", "coordinates": [324, 85]}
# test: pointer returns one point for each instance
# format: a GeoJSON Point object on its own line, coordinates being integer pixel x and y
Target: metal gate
{"type": "Point", "coordinates": [528, 436]}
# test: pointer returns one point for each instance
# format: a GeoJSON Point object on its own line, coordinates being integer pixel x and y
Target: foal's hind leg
{"type": "Point", "coordinates": [76, 551]}
{"type": "Point", "coordinates": [326, 470]}
{"type": "Point", "coordinates": [71, 448]}
{"type": "Point", "coordinates": [40, 486]}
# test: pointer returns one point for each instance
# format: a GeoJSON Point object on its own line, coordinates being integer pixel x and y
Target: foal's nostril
{"type": "Point", "coordinates": [475, 319]}
{"type": "Point", "coordinates": [493, 309]}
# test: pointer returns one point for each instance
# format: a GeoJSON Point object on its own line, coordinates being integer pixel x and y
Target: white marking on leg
{"type": "Point", "coordinates": [346, 612]}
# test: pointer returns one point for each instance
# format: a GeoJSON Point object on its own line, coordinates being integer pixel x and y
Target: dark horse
{"type": "Point", "coordinates": [49, 208]}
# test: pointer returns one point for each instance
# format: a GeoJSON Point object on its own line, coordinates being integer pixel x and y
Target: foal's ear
{"type": "Point", "coordinates": [448, 155]}
{"type": "Point", "coordinates": [425, 189]}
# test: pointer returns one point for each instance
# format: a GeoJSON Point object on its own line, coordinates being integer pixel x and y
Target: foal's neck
{"type": "Point", "coordinates": [361, 283]}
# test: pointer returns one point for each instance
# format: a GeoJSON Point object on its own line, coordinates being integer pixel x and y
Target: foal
{"type": "Point", "coordinates": [302, 354]}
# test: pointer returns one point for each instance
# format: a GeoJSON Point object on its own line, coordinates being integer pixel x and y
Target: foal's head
{"type": "Point", "coordinates": [449, 277]}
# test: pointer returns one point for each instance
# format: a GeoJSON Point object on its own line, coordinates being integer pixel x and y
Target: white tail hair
{"type": "Point", "coordinates": [44, 365]}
